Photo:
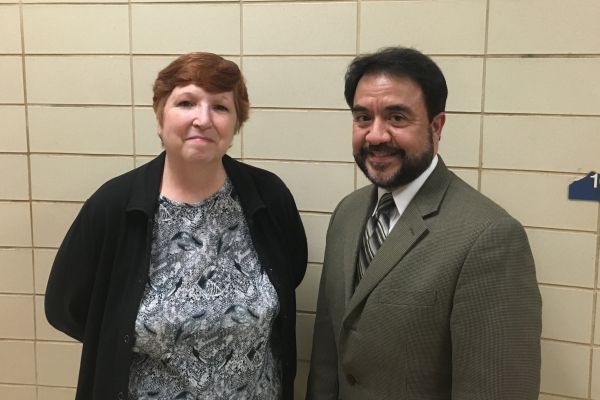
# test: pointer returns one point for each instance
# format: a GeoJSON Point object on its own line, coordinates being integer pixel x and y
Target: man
{"type": "Point", "coordinates": [433, 294]}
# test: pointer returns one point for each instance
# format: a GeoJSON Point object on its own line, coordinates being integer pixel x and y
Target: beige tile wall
{"type": "Point", "coordinates": [523, 122]}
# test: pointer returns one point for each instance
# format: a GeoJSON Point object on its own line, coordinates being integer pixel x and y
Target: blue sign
{"type": "Point", "coordinates": [586, 188]}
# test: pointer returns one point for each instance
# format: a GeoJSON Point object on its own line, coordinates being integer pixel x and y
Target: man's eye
{"type": "Point", "coordinates": [361, 118]}
{"type": "Point", "coordinates": [397, 117]}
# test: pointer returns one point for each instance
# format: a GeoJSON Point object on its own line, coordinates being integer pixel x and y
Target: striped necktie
{"type": "Point", "coordinates": [375, 232]}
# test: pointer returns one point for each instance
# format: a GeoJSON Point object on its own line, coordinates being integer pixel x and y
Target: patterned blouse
{"type": "Point", "coordinates": [204, 324]}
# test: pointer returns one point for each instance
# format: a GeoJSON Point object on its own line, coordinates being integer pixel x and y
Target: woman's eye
{"type": "Point", "coordinates": [220, 107]}
{"type": "Point", "coordinates": [185, 104]}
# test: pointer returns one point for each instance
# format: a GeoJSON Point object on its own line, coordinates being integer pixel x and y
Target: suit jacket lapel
{"type": "Point", "coordinates": [363, 208]}
{"type": "Point", "coordinates": [408, 230]}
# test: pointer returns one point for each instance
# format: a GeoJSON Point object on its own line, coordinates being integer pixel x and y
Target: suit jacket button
{"type": "Point", "coordinates": [351, 379]}
{"type": "Point", "coordinates": [126, 338]}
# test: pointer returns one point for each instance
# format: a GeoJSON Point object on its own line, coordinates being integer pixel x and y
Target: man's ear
{"type": "Point", "coordinates": [437, 125]}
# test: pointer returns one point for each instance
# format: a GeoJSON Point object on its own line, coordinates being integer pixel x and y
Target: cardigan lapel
{"type": "Point", "coordinates": [409, 229]}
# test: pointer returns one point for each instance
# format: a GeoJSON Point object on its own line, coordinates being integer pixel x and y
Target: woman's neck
{"type": "Point", "coordinates": [191, 183]}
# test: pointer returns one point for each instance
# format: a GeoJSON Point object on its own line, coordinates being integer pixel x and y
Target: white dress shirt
{"type": "Point", "coordinates": [404, 194]}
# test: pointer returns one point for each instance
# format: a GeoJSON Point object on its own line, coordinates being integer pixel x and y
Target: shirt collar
{"type": "Point", "coordinates": [404, 194]}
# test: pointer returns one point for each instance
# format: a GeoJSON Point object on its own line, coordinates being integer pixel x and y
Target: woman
{"type": "Point", "coordinates": [179, 276]}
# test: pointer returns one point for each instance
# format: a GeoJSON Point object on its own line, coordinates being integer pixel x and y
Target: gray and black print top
{"type": "Point", "coordinates": [204, 324]}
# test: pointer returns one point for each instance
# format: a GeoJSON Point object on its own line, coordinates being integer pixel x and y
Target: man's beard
{"type": "Point", "coordinates": [411, 167]}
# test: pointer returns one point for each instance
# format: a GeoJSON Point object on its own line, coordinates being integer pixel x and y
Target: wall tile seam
{"type": "Point", "coordinates": [534, 171]}
{"type": "Point", "coordinates": [565, 341]}
{"type": "Point", "coordinates": [574, 174]}
{"type": "Point", "coordinates": [84, 105]}
{"type": "Point", "coordinates": [4, 247]}
{"type": "Point", "coordinates": [564, 230]}
{"type": "Point", "coordinates": [141, 2]}
{"type": "Point", "coordinates": [57, 202]}
{"type": "Point", "coordinates": [562, 396]}
{"type": "Point", "coordinates": [183, 2]}
{"type": "Point", "coordinates": [298, 160]}
{"type": "Point", "coordinates": [566, 286]}
{"type": "Point", "coordinates": [22, 294]}
{"type": "Point", "coordinates": [253, 55]}
{"type": "Point", "coordinates": [316, 214]}
{"type": "Point", "coordinates": [598, 251]}
{"type": "Point", "coordinates": [319, 55]}
{"type": "Point", "coordinates": [5, 340]}
{"type": "Point", "coordinates": [66, 156]}
{"type": "Point", "coordinates": [499, 56]}
{"type": "Point", "coordinates": [80, 202]}
{"type": "Point", "coordinates": [527, 114]}
{"type": "Point", "coordinates": [288, 108]}
{"type": "Point", "coordinates": [84, 154]}
{"type": "Point", "coordinates": [18, 385]}
{"type": "Point", "coordinates": [19, 201]}
{"type": "Point", "coordinates": [589, 345]}
{"type": "Point", "coordinates": [57, 341]}
{"type": "Point", "coordinates": [97, 155]}
{"type": "Point", "coordinates": [299, 312]}
{"type": "Point", "coordinates": [33, 386]}
{"type": "Point", "coordinates": [595, 306]}
{"type": "Point", "coordinates": [315, 56]}
{"type": "Point", "coordinates": [119, 155]}
{"type": "Point", "coordinates": [146, 106]}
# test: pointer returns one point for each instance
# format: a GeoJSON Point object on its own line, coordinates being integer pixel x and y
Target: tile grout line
{"type": "Point", "coordinates": [240, 133]}
{"type": "Point", "coordinates": [359, 10]}
{"type": "Point", "coordinates": [482, 108]}
{"type": "Point", "coordinates": [131, 82]}
{"type": "Point", "coordinates": [594, 307]}
{"type": "Point", "coordinates": [30, 191]}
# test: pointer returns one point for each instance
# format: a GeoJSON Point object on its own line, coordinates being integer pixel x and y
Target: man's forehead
{"type": "Point", "coordinates": [385, 75]}
{"type": "Point", "coordinates": [388, 90]}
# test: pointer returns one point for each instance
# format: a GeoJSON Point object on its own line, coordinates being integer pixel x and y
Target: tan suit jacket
{"type": "Point", "coordinates": [449, 307]}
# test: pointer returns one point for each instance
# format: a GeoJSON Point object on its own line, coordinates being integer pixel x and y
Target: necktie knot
{"type": "Point", "coordinates": [375, 232]}
{"type": "Point", "coordinates": [384, 206]}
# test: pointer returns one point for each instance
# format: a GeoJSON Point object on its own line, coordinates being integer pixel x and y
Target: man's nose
{"type": "Point", "coordinates": [378, 132]}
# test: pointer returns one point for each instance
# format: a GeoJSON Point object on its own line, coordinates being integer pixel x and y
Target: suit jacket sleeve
{"type": "Point", "coordinates": [496, 319]}
{"type": "Point", "coordinates": [323, 376]}
{"type": "Point", "coordinates": [71, 279]}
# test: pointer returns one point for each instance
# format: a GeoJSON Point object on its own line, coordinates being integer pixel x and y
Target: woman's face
{"type": "Point", "coordinates": [198, 126]}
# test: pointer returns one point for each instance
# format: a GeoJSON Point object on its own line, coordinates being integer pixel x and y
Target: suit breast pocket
{"type": "Point", "coordinates": [400, 297]}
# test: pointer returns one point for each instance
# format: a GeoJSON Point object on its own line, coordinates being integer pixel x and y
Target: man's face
{"type": "Point", "coordinates": [392, 139]}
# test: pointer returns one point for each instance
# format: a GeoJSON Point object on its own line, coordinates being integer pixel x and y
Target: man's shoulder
{"type": "Point", "coordinates": [469, 204]}
{"type": "Point", "coordinates": [359, 197]}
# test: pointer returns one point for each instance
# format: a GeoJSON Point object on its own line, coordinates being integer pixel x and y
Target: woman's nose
{"type": "Point", "coordinates": [202, 117]}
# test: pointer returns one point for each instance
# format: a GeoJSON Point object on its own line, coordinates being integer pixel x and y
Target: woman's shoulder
{"type": "Point", "coordinates": [118, 191]}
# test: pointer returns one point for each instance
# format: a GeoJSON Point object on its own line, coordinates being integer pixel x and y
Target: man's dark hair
{"type": "Point", "coordinates": [404, 63]}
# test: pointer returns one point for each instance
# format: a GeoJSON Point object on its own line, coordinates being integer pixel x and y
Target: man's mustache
{"type": "Point", "coordinates": [382, 148]}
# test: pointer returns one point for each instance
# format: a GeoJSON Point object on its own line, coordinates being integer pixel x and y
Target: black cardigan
{"type": "Point", "coordinates": [99, 274]}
